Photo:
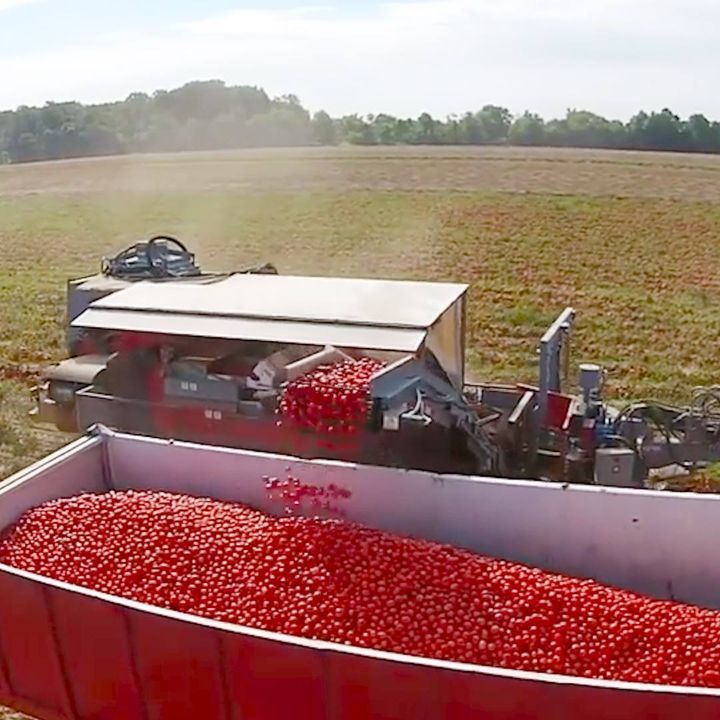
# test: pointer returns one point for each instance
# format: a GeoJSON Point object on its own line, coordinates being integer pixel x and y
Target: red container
{"type": "Point", "coordinates": [75, 654]}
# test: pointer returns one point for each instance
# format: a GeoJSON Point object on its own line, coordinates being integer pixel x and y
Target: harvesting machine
{"type": "Point", "coordinates": [159, 347]}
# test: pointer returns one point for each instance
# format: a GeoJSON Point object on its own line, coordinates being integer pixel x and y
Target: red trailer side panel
{"type": "Point", "coordinates": [269, 679]}
{"type": "Point", "coordinates": [5, 689]}
{"type": "Point", "coordinates": [30, 647]}
{"type": "Point", "coordinates": [131, 664]}
{"type": "Point", "coordinates": [179, 668]}
{"type": "Point", "coordinates": [472, 697]}
{"type": "Point", "coordinates": [98, 659]}
{"type": "Point", "coordinates": [360, 688]}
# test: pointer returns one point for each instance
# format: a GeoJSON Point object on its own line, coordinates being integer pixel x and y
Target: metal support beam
{"type": "Point", "coordinates": [554, 363]}
{"type": "Point", "coordinates": [554, 347]}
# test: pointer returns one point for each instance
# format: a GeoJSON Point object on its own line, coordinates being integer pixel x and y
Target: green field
{"type": "Point", "coordinates": [635, 247]}
{"type": "Point", "coordinates": [629, 239]}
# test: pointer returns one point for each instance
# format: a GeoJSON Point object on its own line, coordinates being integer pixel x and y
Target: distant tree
{"type": "Point", "coordinates": [163, 133]}
{"type": "Point", "coordinates": [496, 123]}
{"type": "Point", "coordinates": [289, 99]}
{"type": "Point", "coordinates": [323, 129]}
{"type": "Point", "coordinates": [202, 100]}
{"type": "Point", "coordinates": [637, 130]}
{"type": "Point", "coordinates": [27, 147]}
{"type": "Point", "coordinates": [357, 131]}
{"type": "Point", "coordinates": [133, 118]}
{"type": "Point", "coordinates": [249, 101]}
{"type": "Point", "coordinates": [449, 131]}
{"type": "Point", "coordinates": [388, 130]}
{"type": "Point", "coordinates": [528, 129]}
{"type": "Point", "coordinates": [279, 127]}
{"type": "Point", "coordinates": [406, 131]}
{"type": "Point", "coordinates": [580, 128]}
{"type": "Point", "coordinates": [664, 131]}
{"type": "Point", "coordinates": [211, 115]}
{"type": "Point", "coordinates": [704, 136]}
{"type": "Point", "coordinates": [427, 130]}
{"type": "Point", "coordinates": [472, 130]}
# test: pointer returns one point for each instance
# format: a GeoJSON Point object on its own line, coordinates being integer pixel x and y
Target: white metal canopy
{"type": "Point", "coordinates": [377, 314]}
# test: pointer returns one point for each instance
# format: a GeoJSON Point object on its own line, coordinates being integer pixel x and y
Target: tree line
{"type": "Point", "coordinates": [211, 115]}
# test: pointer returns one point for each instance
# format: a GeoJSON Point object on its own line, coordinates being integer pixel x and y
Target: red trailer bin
{"type": "Point", "coordinates": [74, 654]}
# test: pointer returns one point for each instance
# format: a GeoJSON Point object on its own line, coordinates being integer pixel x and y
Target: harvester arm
{"type": "Point", "coordinates": [408, 391]}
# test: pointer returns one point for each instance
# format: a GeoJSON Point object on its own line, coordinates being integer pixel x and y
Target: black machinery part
{"type": "Point", "coordinates": [264, 269]}
{"type": "Point", "coordinates": [163, 256]}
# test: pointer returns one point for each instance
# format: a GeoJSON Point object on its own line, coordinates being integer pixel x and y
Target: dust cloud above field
{"type": "Point", "coordinates": [513, 170]}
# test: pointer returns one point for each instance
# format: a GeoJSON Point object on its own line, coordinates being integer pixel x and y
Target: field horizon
{"type": "Point", "coordinates": [539, 170]}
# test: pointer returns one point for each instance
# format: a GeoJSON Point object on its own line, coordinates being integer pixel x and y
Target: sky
{"type": "Point", "coordinates": [403, 57]}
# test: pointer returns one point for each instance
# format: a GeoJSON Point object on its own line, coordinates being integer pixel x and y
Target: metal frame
{"type": "Point", "coordinates": [554, 360]}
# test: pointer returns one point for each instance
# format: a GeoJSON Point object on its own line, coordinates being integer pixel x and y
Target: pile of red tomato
{"type": "Point", "coordinates": [340, 582]}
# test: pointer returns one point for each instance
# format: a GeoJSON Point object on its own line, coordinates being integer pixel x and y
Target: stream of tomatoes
{"type": "Point", "coordinates": [331, 399]}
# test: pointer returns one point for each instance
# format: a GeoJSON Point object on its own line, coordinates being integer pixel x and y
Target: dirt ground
{"type": "Point", "coordinates": [515, 170]}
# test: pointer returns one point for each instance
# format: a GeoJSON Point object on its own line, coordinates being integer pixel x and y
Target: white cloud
{"type": "Point", "coordinates": [8, 4]}
{"type": "Point", "coordinates": [406, 56]}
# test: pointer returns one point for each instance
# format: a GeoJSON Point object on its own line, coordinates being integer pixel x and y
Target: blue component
{"type": "Point", "coordinates": [603, 432]}
{"type": "Point", "coordinates": [393, 391]}
{"type": "Point", "coordinates": [398, 383]}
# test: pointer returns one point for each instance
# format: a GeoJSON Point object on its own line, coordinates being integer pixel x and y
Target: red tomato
{"type": "Point", "coordinates": [341, 582]}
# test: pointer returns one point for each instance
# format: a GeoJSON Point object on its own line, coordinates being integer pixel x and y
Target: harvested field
{"type": "Point", "coordinates": [523, 170]}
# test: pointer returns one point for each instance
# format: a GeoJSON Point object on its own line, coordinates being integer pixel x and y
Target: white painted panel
{"type": "Point", "coordinates": [237, 328]}
{"type": "Point", "coordinates": [74, 469]}
{"type": "Point", "coordinates": [391, 303]}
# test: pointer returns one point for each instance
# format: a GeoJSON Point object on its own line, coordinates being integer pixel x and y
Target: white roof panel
{"type": "Point", "coordinates": [383, 303]}
{"type": "Point", "coordinates": [237, 328]}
